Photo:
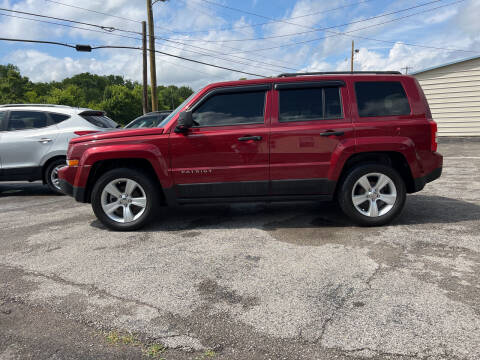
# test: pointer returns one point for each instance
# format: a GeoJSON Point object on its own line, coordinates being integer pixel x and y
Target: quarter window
{"type": "Point", "coordinates": [58, 118]}
{"type": "Point", "coordinates": [310, 104]}
{"type": "Point", "coordinates": [23, 120]}
{"type": "Point", "coordinates": [381, 99]}
{"type": "Point", "coordinates": [231, 109]}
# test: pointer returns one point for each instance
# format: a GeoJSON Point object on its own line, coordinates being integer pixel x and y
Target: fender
{"type": "Point", "coordinates": [402, 145]}
{"type": "Point", "coordinates": [52, 154]}
{"type": "Point", "coordinates": [146, 151]}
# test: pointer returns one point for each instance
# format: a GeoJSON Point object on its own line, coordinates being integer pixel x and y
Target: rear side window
{"type": "Point", "coordinates": [24, 120]}
{"type": "Point", "coordinates": [3, 117]}
{"type": "Point", "coordinates": [58, 118]}
{"type": "Point", "coordinates": [99, 119]}
{"type": "Point", "coordinates": [231, 109]}
{"type": "Point", "coordinates": [310, 104]}
{"type": "Point", "coordinates": [381, 99]}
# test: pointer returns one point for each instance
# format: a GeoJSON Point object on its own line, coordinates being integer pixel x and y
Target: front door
{"type": "Point", "coordinates": [308, 124]}
{"type": "Point", "coordinates": [27, 139]}
{"type": "Point", "coordinates": [226, 154]}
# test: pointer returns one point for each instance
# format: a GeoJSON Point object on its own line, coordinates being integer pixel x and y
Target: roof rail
{"type": "Point", "coordinates": [36, 105]}
{"type": "Point", "coordinates": [340, 73]}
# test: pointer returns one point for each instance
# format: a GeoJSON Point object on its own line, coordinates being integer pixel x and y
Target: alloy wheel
{"type": "Point", "coordinates": [374, 195]}
{"type": "Point", "coordinates": [123, 200]}
{"type": "Point", "coordinates": [54, 177]}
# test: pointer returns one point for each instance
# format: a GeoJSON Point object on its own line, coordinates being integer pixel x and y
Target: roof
{"type": "Point", "coordinates": [45, 107]}
{"type": "Point", "coordinates": [447, 64]}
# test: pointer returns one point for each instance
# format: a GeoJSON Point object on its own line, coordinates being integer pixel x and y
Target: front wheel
{"type": "Point", "coordinates": [125, 199]}
{"type": "Point", "coordinates": [372, 194]}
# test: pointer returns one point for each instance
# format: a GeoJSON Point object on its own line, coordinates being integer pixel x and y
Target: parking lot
{"type": "Point", "coordinates": [247, 281]}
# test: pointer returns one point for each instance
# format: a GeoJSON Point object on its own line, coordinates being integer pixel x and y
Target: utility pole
{"type": "Point", "coordinates": [153, 68]}
{"type": "Point", "coordinates": [145, 77]}
{"type": "Point", "coordinates": [406, 69]}
{"type": "Point", "coordinates": [351, 60]}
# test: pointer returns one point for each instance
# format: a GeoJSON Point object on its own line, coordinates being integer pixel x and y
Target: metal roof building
{"type": "Point", "coordinates": [453, 93]}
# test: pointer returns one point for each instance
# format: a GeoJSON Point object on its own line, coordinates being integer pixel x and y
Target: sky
{"type": "Point", "coordinates": [260, 37]}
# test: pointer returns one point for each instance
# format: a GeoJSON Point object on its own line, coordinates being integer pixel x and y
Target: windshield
{"type": "Point", "coordinates": [142, 122]}
{"type": "Point", "coordinates": [175, 112]}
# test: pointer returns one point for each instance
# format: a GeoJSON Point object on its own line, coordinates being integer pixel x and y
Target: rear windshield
{"type": "Point", "coordinates": [99, 119]}
{"type": "Point", "coordinates": [386, 98]}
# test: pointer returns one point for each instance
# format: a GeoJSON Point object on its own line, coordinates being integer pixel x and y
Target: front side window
{"type": "Point", "coordinates": [23, 120]}
{"type": "Point", "coordinates": [375, 98]}
{"type": "Point", "coordinates": [306, 104]}
{"type": "Point", "coordinates": [231, 109]}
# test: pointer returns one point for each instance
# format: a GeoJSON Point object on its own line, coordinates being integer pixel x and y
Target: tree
{"type": "Point", "coordinates": [122, 104]}
{"type": "Point", "coordinates": [13, 85]}
{"type": "Point", "coordinates": [120, 98]}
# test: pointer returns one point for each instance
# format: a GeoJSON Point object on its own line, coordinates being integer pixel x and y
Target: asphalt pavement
{"type": "Point", "coordinates": [245, 281]}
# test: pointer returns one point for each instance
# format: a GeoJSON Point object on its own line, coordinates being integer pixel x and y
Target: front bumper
{"type": "Point", "coordinates": [77, 192]}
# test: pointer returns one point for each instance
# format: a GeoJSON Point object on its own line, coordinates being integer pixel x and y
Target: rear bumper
{"type": "Point", "coordinates": [420, 183]}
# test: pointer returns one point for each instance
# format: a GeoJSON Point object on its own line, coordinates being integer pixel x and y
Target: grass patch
{"type": "Point", "coordinates": [209, 353]}
{"type": "Point", "coordinates": [154, 351]}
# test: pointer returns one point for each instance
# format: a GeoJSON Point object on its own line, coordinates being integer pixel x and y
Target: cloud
{"type": "Point", "coordinates": [188, 29]}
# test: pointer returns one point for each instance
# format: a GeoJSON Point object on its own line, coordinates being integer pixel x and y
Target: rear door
{"type": "Point", "coordinates": [3, 126]}
{"type": "Point", "coordinates": [309, 122]}
{"type": "Point", "coordinates": [226, 154]}
{"type": "Point", "coordinates": [28, 137]}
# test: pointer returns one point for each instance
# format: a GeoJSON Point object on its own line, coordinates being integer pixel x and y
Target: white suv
{"type": "Point", "coordinates": [34, 139]}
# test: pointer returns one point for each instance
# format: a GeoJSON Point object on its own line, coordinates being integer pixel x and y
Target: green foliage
{"type": "Point", "coordinates": [120, 98]}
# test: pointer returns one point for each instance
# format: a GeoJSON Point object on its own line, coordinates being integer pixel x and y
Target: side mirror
{"type": "Point", "coordinates": [185, 122]}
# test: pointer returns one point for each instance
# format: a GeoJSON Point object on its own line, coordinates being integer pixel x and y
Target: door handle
{"type": "Point", "coordinates": [246, 138]}
{"type": "Point", "coordinates": [332, 132]}
{"type": "Point", "coordinates": [44, 140]}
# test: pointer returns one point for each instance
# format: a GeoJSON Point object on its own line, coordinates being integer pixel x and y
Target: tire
{"type": "Point", "coordinates": [382, 205]}
{"type": "Point", "coordinates": [51, 175]}
{"type": "Point", "coordinates": [130, 212]}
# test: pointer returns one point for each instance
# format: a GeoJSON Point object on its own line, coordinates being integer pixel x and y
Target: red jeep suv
{"type": "Point", "coordinates": [363, 139]}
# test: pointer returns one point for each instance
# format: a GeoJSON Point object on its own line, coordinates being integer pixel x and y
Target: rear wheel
{"type": "Point", "coordinates": [125, 199]}
{"type": "Point", "coordinates": [372, 194]}
{"type": "Point", "coordinates": [51, 175]}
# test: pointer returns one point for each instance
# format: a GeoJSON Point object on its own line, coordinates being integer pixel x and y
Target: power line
{"type": "Point", "coordinates": [70, 26]}
{"type": "Point", "coordinates": [137, 48]}
{"type": "Point", "coordinates": [157, 38]}
{"type": "Point", "coordinates": [317, 29]}
{"type": "Point", "coordinates": [134, 38]}
{"type": "Point", "coordinates": [105, 14]}
{"type": "Point", "coordinates": [94, 11]}
{"type": "Point", "coordinates": [39, 42]}
{"type": "Point", "coordinates": [302, 42]}
{"type": "Point", "coordinates": [273, 21]}
{"type": "Point", "coordinates": [123, 18]}
{"type": "Point", "coordinates": [106, 28]}
{"type": "Point", "coordinates": [349, 34]}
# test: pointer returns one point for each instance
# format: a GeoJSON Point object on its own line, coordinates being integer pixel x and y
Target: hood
{"type": "Point", "coordinates": [120, 133]}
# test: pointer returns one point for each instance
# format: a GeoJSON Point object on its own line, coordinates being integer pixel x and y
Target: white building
{"type": "Point", "coordinates": [453, 93]}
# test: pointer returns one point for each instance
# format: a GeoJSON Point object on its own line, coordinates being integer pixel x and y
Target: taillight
{"type": "Point", "coordinates": [84, 132]}
{"type": "Point", "coordinates": [433, 136]}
